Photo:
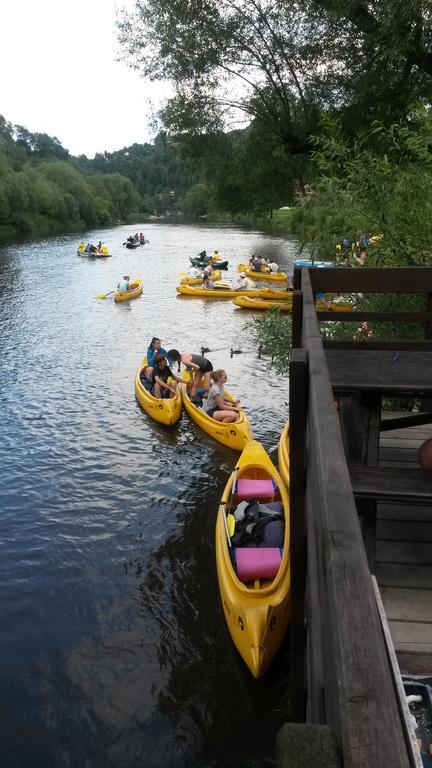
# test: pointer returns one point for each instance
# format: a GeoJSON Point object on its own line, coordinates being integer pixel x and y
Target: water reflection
{"type": "Point", "coordinates": [113, 648]}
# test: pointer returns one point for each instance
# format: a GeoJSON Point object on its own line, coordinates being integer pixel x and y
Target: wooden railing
{"type": "Point", "coordinates": [341, 673]}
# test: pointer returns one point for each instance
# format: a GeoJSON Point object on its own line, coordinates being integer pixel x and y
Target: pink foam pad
{"type": "Point", "coordinates": [254, 489]}
{"type": "Point", "coordinates": [257, 562]}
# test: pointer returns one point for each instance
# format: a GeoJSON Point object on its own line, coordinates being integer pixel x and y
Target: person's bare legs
{"type": "Point", "coordinates": [195, 383]}
{"type": "Point", "coordinates": [226, 417]}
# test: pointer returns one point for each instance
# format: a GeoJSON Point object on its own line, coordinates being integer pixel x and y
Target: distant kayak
{"type": "Point", "coordinates": [227, 293]}
{"type": "Point", "coordinates": [202, 264]}
{"type": "Point", "coordinates": [102, 253]}
{"type": "Point", "coordinates": [135, 291]}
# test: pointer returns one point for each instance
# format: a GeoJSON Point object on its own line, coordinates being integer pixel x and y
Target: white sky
{"type": "Point", "coordinates": [59, 75]}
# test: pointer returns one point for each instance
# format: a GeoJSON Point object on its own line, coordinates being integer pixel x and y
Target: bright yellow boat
{"type": "Point", "coordinates": [257, 611]}
{"type": "Point", "coordinates": [164, 410]}
{"type": "Point", "coordinates": [186, 280]}
{"type": "Point", "coordinates": [226, 293]}
{"type": "Point", "coordinates": [277, 276]}
{"type": "Point", "coordinates": [234, 435]}
{"type": "Point", "coordinates": [247, 303]}
{"type": "Point", "coordinates": [283, 455]}
{"type": "Point", "coordinates": [103, 253]}
{"type": "Point", "coordinates": [136, 290]}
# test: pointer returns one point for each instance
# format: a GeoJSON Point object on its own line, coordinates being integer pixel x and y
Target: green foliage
{"type": "Point", "coordinates": [271, 333]}
{"type": "Point", "coordinates": [43, 192]}
{"type": "Point", "coordinates": [198, 200]}
{"type": "Point", "coordinates": [380, 183]}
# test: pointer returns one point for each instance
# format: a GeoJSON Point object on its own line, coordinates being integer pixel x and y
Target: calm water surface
{"type": "Point", "coordinates": [113, 647]}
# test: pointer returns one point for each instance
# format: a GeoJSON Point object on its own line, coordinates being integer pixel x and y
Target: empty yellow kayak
{"type": "Point", "coordinates": [135, 291]}
{"type": "Point", "coordinates": [164, 410]}
{"type": "Point", "coordinates": [227, 293]}
{"type": "Point", "coordinates": [255, 591]}
{"type": "Point", "coordinates": [186, 280]}
{"type": "Point", "coordinates": [235, 435]}
{"type": "Point", "coordinates": [283, 454]}
{"type": "Point", "coordinates": [257, 304]}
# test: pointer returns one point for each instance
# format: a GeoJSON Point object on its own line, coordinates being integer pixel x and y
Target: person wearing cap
{"type": "Point", "coordinates": [244, 283]}
{"type": "Point", "coordinates": [123, 285]}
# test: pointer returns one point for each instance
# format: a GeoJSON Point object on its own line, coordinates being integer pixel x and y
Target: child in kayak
{"type": "Point", "coordinates": [153, 348]}
{"type": "Point", "coordinates": [146, 377]}
{"type": "Point", "coordinates": [164, 381]}
{"type": "Point", "coordinates": [217, 406]}
{"type": "Point", "coordinates": [199, 365]}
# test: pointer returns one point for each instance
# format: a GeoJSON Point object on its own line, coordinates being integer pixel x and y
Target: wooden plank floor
{"type": "Point", "coordinates": [404, 557]}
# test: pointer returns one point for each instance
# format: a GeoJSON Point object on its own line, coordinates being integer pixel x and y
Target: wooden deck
{"type": "Point", "coordinates": [404, 558]}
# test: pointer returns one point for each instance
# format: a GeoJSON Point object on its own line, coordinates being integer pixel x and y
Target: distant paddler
{"type": "Point", "coordinates": [244, 283]}
{"type": "Point", "coordinates": [216, 256]}
{"type": "Point", "coordinates": [124, 284]}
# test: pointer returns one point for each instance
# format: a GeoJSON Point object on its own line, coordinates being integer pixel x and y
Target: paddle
{"type": "Point", "coordinates": [228, 535]}
{"type": "Point", "coordinates": [104, 295]}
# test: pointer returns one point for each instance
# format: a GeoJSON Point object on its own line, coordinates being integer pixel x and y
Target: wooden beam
{"type": "Point", "coordinates": [360, 701]}
{"type": "Point", "coordinates": [298, 398]}
{"type": "Point", "coordinates": [402, 422]}
{"type": "Point", "coordinates": [371, 280]}
{"type": "Point", "coordinates": [400, 317]}
{"type": "Point", "coordinates": [297, 319]}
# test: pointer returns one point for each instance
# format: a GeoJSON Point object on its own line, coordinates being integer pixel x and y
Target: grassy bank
{"type": "Point", "coordinates": [278, 221]}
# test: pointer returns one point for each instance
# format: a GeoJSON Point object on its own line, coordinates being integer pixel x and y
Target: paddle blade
{"type": "Point", "coordinates": [102, 296]}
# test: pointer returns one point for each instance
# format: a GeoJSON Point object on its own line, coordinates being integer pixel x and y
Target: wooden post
{"type": "Point", "coordinates": [298, 388]}
{"type": "Point", "coordinates": [297, 319]}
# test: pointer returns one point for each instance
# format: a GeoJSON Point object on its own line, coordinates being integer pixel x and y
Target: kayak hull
{"type": "Point", "coordinates": [164, 411]}
{"type": "Point", "coordinates": [201, 264]}
{"type": "Point", "coordinates": [235, 435]}
{"type": "Point", "coordinates": [131, 246]}
{"type": "Point", "coordinates": [223, 293]}
{"type": "Point", "coordinates": [280, 277]}
{"type": "Point", "coordinates": [257, 613]}
{"type": "Point", "coordinates": [216, 275]}
{"type": "Point", "coordinates": [96, 255]}
{"type": "Point", "coordinates": [283, 455]}
{"type": "Point", "coordinates": [245, 302]}
{"type": "Point", "coordinates": [132, 294]}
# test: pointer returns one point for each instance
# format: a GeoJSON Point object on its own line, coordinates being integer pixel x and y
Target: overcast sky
{"type": "Point", "coordinates": [59, 75]}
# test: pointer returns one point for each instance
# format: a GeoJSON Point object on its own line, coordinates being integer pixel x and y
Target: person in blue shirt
{"type": "Point", "coordinates": [123, 285]}
{"type": "Point", "coordinates": [154, 349]}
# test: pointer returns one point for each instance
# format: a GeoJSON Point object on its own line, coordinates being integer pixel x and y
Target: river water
{"type": "Point", "coordinates": [113, 647]}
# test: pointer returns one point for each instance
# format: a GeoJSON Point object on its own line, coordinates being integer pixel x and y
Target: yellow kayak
{"type": "Point", "coordinates": [165, 411]}
{"type": "Point", "coordinates": [256, 595]}
{"type": "Point", "coordinates": [234, 435]}
{"type": "Point", "coordinates": [247, 303]}
{"type": "Point", "coordinates": [283, 455]}
{"type": "Point", "coordinates": [136, 290]}
{"type": "Point", "coordinates": [278, 276]}
{"type": "Point", "coordinates": [186, 280]}
{"type": "Point", "coordinates": [230, 293]}
{"type": "Point", "coordinates": [103, 253]}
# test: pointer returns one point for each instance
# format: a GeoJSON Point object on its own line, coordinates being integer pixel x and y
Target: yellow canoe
{"type": "Point", "coordinates": [136, 290]}
{"type": "Point", "coordinates": [186, 280]}
{"type": "Point", "coordinates": [225, 293]}
{"type": "Point", "coordinates": [235, 435]}
{"type": "Point", "coordinates": [245, 302]}
{"type": "Point", "coordinates": [257, 612]}
{"type": "Point", "coordinates": [278, 276]}
{"type": "Point", "coordinates": [165, 411]}
{"type": "Point", "coordinates": [283, 455]}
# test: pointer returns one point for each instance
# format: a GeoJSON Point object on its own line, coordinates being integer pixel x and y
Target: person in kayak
{"type": "Point", "coordinates": [146, 377]}
{"type": "Point", "coordinates": [99, 245]}
{"type": "Point", "coordinates": [124, 285]}
{"type": "Point", "coordinates": [199, 364]}
{"type": "Point", "coordinates": [142, 238]}
{"type": "Point", "coordinates": [154, 348]}
{"type": "Point", "coordinates": [218, 407]}
{"type": "Point", "coordinates": [164, 381]}
{"type": "Point", "coordinates": [203, 256]}
{"type": "Point", "coordinates": [216, 256]}
{"type": "Point", "coordinates": [273, 267]}
{"type": "Point", "coordinates": [244, 283]}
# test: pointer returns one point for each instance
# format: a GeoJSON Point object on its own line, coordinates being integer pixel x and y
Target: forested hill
{"type": "Point", "coordinates": [44, 190]}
